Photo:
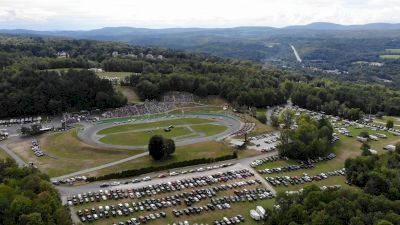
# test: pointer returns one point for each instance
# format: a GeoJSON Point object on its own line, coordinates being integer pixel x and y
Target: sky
{"type": "Point", "coordinates": [92, 14]}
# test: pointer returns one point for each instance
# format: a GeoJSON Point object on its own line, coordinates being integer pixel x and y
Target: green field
{"type": "Point", "coordinates": [142, 137]}
{"type": "Point", "coordinates": [67, 153]}
{"type": "Point", "coordinates": [384, 119]}
{"type": "Point", "coordinates": [3, 154]}
{"type": "Point", "coordinates": [389, 56]}
{"type": "Point", "coordinates": [209, 129]}
{"type": "Point", "coordinates": [163, 123]}
{"type": "Point", "coordinates": [114, 74]}
{"type": "Point", "coordinates": [129, 93]}
{"type": "Point", "coordinates": [393, 50]}
{"type": "Point", "coordinates": [210, 149]}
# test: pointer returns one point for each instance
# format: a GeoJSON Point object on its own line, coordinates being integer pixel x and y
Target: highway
{"type": "Point", "coordinates": [296, 54]}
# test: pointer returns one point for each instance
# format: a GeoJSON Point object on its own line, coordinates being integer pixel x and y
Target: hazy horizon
{"type": "Point", "coordinates": [156, 14]}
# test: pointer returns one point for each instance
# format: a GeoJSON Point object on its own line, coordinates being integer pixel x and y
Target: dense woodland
{"type": "Point", "coordinates": [340, 207]}
{"type": "Point", "coordinates": [31, 92]}
{"type": "Point", "coordinates": [28, 198]}
{"type": "Point", "coordinates": [377, 175]}
{"type": "Point", "coordinates": [27, 64]}
{"type": "Point", "coordinates": [310, 140]}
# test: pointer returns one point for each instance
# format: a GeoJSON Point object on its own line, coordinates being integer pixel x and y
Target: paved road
{"type": "Point", "coordinates": [239, 164]}
{"type": "Point", "coordinates": [100, 167]}
{"type": "Point", "coordinates": [268, 114]}
{"type": "Point", "coordinates": [89, 133]}
{"type": "Point", "coordinates": [17, 159]}
{"type": "Point", "coordinates": [296, 54]}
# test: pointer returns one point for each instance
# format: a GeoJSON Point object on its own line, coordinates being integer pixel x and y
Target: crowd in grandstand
{"type": "Point", "coordinates": [169, 102]}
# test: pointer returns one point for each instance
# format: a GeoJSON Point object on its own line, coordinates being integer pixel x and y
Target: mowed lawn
{"type": "Point", "coordinates": [67, 153]}
{"type": "Point", "coordinates": [383, 121]}
{"type": "Point", "coordinates": [389, 56]}
{"type": "Point", "coordinates": [148, 125]}
{"type": "Point", "coordinates": [210, 149]}
{"type": "Point", "coordinates": [3, 154]}
{"type": "Point", "coordinates": [209, 129]}
{"type": "Point", "coordinates": [376, 145]}
{"type": "Point", "coordinates": [142, 137]}
{"type": "Point", "coordinates": [129, 93]}
{"type": "Point", "coordinates": [114, 74]}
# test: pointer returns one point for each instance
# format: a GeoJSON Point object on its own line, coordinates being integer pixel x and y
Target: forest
{"type": "Point", "coordinates": [31, 92]}
{"type": "Point", "coordinates": [28, 63]}
{"type": "Point", "coordinates": [334, 207]}
{"type": "Point", "coordinates": [28, 198]}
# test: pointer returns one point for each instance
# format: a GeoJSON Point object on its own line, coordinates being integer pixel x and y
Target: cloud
{"type": "Point", "coordinates": [88, 14]}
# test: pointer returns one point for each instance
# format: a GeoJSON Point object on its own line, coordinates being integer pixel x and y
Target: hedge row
{"type": "Point", "coordinates": [137, 172]}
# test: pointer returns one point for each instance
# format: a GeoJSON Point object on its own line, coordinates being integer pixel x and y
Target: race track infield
{"type": "Point", "coordinates": [184, 129]}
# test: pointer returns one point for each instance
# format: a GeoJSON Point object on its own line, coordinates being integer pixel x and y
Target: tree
{"type": "Point", "coordinates": [287, 118]}
{"type": "Point", "coordinates": [274, 121]}
{"type": "Point", "coordinates": [156, 147]}
{"type": "Point", "coordinates": [389, 124]}
{"type": "Point", "coordinates": [365, 149]}
{"type": "Point", "coordinates": [262, 118]}
{"type": "Point", "coordinates": [169, 147]}
{"type": "Point", "coordinates": [364, 134]}
{"type": "Point", "coordinates": [398, 148]}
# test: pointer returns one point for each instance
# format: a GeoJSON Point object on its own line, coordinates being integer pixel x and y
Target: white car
{"type": "Point", "coordinates": [146, 178]}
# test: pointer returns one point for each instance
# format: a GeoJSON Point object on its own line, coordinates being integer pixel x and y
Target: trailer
{"type": "Point", "coordinates": [261, 211]}
{"type": "Point", "coordinates": [254, 214]}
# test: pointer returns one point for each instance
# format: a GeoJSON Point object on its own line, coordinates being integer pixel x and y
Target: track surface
{"type": "Point", "coordinates": [89, 133]}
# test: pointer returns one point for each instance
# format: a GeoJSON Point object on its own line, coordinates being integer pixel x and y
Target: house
{"type": "Point", "coordinates": [96, 70]}
{"type": "Point", "coordinates": [149, 56]}
{"type": "Point", "coordinates": [114, 54]}
{"type": "Point", "coordinates": [62, 55]}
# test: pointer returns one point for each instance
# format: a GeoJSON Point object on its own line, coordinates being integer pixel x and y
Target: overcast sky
{"type": "Point", "coordinates": [90, 14]}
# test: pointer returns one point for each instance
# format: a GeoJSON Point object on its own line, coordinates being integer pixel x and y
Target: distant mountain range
{"type": "Point", "coordinates": [122, 31]}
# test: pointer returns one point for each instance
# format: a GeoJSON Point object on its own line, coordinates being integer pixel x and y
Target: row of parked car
{"type": "Point", "coordinates": [155, 189]}
{"type": "Point", "coordinates": [232, 220]}
{"type": "Point", "coordinates": [274, 158]}
{"type": "Point", "coordinates": [70, 180]}
{"type": "Point", "coordinates": [294, 180]}
{"type": "Point", "coordinates": [163, 175]}
{"type": "Point", "coordinates": [302, 165]}
{"type": "Point", "coordinates": [223, 203]}
{"type": "Point", "coordinates": [143, 219]}
{"type": "Point", "coordinates": [36, 149]}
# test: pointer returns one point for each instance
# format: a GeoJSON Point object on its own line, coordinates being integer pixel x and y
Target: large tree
{"type": "Point", "coordinates": [169, 146]}
{"type": "Point", "coordinates": [156, 147]}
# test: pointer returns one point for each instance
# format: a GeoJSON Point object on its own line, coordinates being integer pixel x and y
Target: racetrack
{"type": "Point", "coordinates": [93, 133]}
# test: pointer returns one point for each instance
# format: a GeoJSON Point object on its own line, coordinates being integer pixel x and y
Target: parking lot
{"type": "Point", "coordinates": [265, 142]}
{"type": "Point", "coordinates": [199, 196]}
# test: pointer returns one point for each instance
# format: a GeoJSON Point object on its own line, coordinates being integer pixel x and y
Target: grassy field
{"type": "Point", "coordinates": [209, 129]}
{"type": "Point", "coordinates": [395, 50]}
{"type": "Point", "coordinates": [142, 137]}
{"type": "Point", "coordinates": [129, 93]}
{"type": "Point", "coordinates": [389, 56]}
{"type": "Point", "coordinates": [67, 153]}
{"type": "Point", "coordinates": [384, 119]}
{"type": "Point", "coordinates": [210, 149]}
{"type": "Point", "coordinates": [377, 145]}
{"type": "Point", "coordinates": [163, 123]}
{"type": "Point", "coordinates": [199, 109]}
{"type": "Point", "coordinates": [114, 74]}
{"type": "Point", "coordinates": [3, 154]}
